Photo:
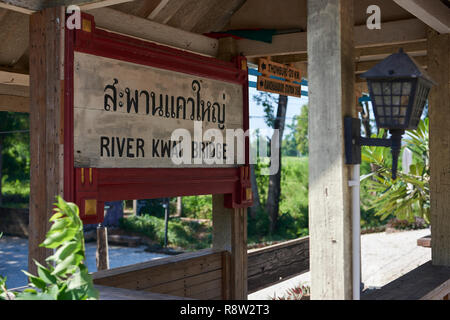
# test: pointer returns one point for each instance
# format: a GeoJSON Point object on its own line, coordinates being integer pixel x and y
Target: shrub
{"type": "Point", "coordinates": [65, 277]}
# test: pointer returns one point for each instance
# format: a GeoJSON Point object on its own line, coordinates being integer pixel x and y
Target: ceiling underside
{"type": "Point", "coordinates": [202, 16]}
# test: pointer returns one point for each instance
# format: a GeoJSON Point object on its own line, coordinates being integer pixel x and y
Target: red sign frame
{"type": "Point", "coordinates": [90, 188]}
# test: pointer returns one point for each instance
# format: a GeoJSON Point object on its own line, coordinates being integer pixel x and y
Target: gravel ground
{"type": "Point", "coordinates": [384, 257]}
{"type": "Point", "coordinates": [14, 258]}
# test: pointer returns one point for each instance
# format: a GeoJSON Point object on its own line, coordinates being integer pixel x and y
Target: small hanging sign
{"type": "Point", "coordinates": [284, 88]}
{"type": "Point", "coordinates": [267, 83]}
{"type": "Point", "coordinates": [269, 68]}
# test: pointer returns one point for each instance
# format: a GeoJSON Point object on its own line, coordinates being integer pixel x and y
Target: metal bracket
{"type": "Point", "coordinates": [354, 141]}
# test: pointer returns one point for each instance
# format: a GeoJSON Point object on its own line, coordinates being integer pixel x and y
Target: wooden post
{"type": "Point", "coordinates": [46, 136]}
{"type": "Point", "coordinates": [439, 113]}
{"type": "Point", "coordinates": [230, 234]}
{"type": "Point", "coordinates": [331, 97]}
{"type": "Point", "coordinates": [135, 207]}
{"type": "Point", "coordinates": [102, 255]}
{"type": "Point", "coordinates": [230, 225]}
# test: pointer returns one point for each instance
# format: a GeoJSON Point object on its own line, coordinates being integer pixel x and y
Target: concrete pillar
{"type": "Point", "coordinates": [331, 97]}
{"type": "Point", "coordinates": [439, 113]}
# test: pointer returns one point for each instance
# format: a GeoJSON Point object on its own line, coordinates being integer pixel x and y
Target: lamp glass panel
{"type": "Point", "coordinates": [387, 88]}
{"type": "Point", "coordinates": [379, 100]}
{"type": "Point", "coordinates": [397, 88]}
{"type": "Point", "coordinates": [405, 100]}
{"type": "Point", "coordinates": [376, 88]}
{"type": "Point", "coordinates": [406, 90]}
{"type": "Point", "coordinates": [396, 100]}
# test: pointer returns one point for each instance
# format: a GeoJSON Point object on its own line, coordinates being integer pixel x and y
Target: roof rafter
{"type": "Point", "coordinates": [391, 33]}
{"type": "Point", "coordinates": [30, 6]}
{"type": "Point", "coordinates": [123, 23]}
{"type": "Point", "coordinates": [14, 103]}
{"type": "Point", "coordinates": [432, 12]}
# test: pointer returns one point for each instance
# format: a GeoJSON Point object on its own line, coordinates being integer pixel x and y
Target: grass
{"type": "Point", "coordinates": [16, 194]}
{"type": "Point", "coordinates": [189, 235]}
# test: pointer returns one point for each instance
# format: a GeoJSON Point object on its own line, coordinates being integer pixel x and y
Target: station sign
{"type": "Point", "coordinates": [125, 114]}
{"type": "Point", "coordinates": [124, 99]}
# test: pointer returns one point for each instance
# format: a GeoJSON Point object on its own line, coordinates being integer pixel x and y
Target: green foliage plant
{"type": "Point", "coordinates": [408, 196]}
{"type": "Point", "coordinates": [65, 277]}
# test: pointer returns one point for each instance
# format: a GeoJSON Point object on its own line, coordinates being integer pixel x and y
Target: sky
{"type": "Point", "coordinates": [257, 113]}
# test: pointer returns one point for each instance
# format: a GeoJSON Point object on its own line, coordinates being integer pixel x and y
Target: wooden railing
{"type": "Point", "coordinates": [202, 274]}
{"type": "Point", "coordinates": [205, 274]}
{"type": "Point", "coordinates": [269, 265]}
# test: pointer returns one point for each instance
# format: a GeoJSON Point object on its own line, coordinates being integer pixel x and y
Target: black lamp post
{"type": "Point", "coordinates": [398, 90]}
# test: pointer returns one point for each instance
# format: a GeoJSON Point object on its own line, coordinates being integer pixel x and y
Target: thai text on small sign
{"type": "Point", "coordinates": [270, 69]}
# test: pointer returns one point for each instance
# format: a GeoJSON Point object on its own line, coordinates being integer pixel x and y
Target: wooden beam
{"type": "Point", "coordinates": [16, 8]}
{"type": "Point", "coordinates": [218, 17]}
{"type": "Point", "coordinates": [13, 90]}
{"type": "Point", "coordinates": [198, 16]}
{"type": "Point", "coordinates": [378, 53]}
{"type": "Point", "coordinates": [392, 33]}
{"type": "Point", "coordinates": [331, 97]}
{"type": "Point", "coordinates": [14, 36]}
{"type": "Point", "coordinates": [145, 29]}
{"type": "Point", "coordinates": [282, 44]}
{"type": "Point", "coordinates": [31, 6]}
{"type": "Point", "coordinates": [46, 155]}
{"type": "Point", "coordinates": [14, 103]}
{"type": "Point", "coordinates": [367, 53]}
{"type": "Point", "coordinates": [366, 65]}
{"type": "Point", "coordinates": [14, 78]}
{"type": "Point", "coordinates": [439, 106]}
{"type": "Point", "coordinates": [432, 12]}
{"type": "Point", "coordinates": [166, 10]}
{"type": "Point", "coordinates": [101, 4]}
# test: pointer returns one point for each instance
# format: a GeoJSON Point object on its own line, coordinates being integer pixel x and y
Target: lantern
{"type": "Point", "coordinates": [398, 89]}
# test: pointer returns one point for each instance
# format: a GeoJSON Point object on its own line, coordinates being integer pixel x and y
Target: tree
{"type": "Point", "coordinates": [301, 131]}
{"type": "Point", "coordinates": [277, 123]}
{"type": "Point", "coordinates": [289, 147]}
{"type": "Point", "coordinates": [253, 210]}
{"type": "Point", "coordinates": [14, 146]}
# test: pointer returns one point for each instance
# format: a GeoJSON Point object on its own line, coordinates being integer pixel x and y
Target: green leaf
{"type": "Point", "coordinates": [67, 249]}
{"type": "Point", "coordinates": [68, 264]}
{"type": "Point", "coordinates": [37, 282]}
{"type": "Point", "coordinates": [54, 240]}
{"type": "Point", "coordinates": [46, 275]}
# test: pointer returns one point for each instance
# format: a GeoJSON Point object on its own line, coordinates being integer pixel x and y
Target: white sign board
{"type": "Point", "coordinates": [125, 113]}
